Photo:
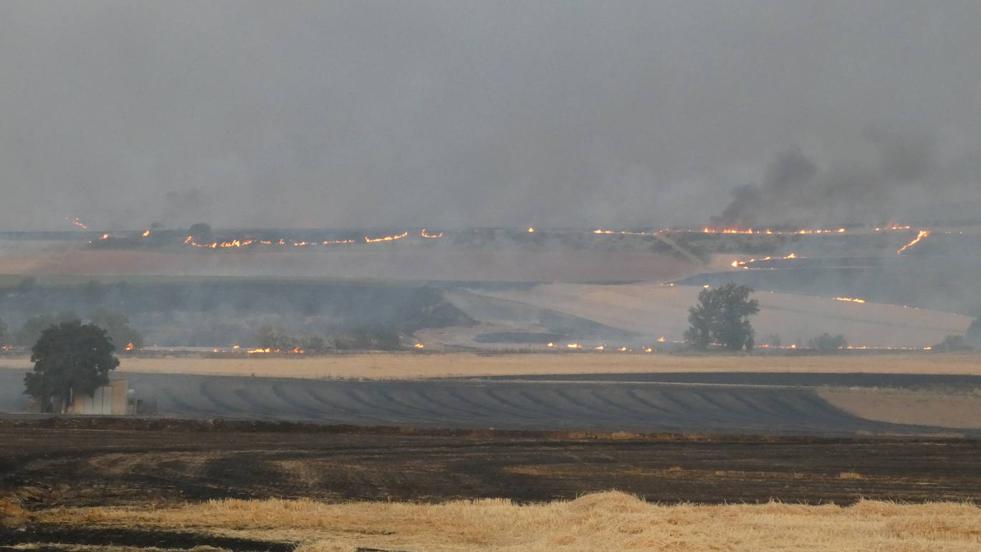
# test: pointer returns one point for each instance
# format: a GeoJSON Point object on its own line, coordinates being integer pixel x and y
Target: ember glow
{"type": "Point", "coordinates": [850, 299]}
{"type": "Point", "coordinates": [430, 235]}
{"type": "Point", "coordinates": [771, 232]}
{"type": "Point", "coordinates": [382, 239]}
{"type": "Point", "coordinates": [746, 263]}
{"type": "Point", "coordinates": [920, 236]}
{"type": "Point", "coordinates": [77, 223]}
{"type": "Point", "coordinates": [605, 232]}
{"type": "Point", "coordinates": [268, 351]}
{"type": "Point", "coordinates": [130, 347]}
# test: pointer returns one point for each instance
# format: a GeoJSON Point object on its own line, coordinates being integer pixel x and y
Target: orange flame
{"type": "Point", "coordinates": [920, 236]}
{"type": "Point", "coordinates": [386, 238]}
{"type": "Point", "coordinates": [850, 299]}
{"type": "Point", "coordinates": [74, 221]}
{"type": "Point", "coordinates": [770, 232]}
{"type": "Point", "coordinates": [746, 263]}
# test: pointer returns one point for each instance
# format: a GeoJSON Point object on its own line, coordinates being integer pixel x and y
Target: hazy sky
{"type": "Point", "coordinates": [492, 113]}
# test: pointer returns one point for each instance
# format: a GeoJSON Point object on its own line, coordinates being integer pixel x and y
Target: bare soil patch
{"type": "Point", "coordinates": [951, 410]}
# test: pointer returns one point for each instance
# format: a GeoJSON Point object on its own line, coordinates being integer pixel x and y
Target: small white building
{"type": "Point", "coordinates": [112, 399]}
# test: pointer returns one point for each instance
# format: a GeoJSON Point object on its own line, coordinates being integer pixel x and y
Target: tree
{"type": "Point", "coordinates": [827, 343]}
{"type": "Point", "coordinates": [201, 233]}
{"type": "Point", "coordinates": [973, 334]}
{"type": "Point", "coordinates": [69, 358]}
{"type": "Point", "coordinates": [721, 317]}
{"type": "Point", "coordinates": [313, 344]}
{"type": "Point", "coordinates": [117, 326]}
{"type": "Point", "coordinates": [274, 338]}
{"type": "Point", "coordinates": [378, 338]}
{"type": "Point", "coordinates": [952, 344]}
{"type": "Point", "coordinates": [30, 332]}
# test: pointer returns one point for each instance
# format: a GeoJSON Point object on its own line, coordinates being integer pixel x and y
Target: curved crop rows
{"type": "Point", "coordinates": [508, 404]}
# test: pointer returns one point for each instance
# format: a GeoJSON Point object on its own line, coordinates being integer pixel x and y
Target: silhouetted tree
{"type": "Point", "coordinates": [721, 317]}
{"type": "Point", "coordinates": [313, 344]}
{"type": "Point", "coordinates": [952, 344]}
{"type": "Point", "coordinates": [117, 326]}
{"type": "Point", "coordinates": [69, 358]}
{"type": "Point", "coordinates": [201, 233]}
{"type": "Point", "coordinates": [30, 332]}
{"type": "Point", "coordinates": [827, 343]}
{"type": "Point", "coordinates": [973, 335]}
{"type": "Point", "coordinates": [379, 338]}
{"type": "Point", "coordinates": [271, 337]}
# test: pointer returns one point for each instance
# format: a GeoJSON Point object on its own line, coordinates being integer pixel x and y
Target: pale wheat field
{"type": "Point", "coordinates": [602, 521]}
{"type": "Point", "coordinates": [431, 365]}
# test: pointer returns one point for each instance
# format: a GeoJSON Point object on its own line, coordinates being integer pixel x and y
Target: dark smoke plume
{"type": "Point", "coordinates": [797, 191]}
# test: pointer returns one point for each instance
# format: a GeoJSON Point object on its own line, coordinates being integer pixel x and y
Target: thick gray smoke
{"type": "Point", "coordinates": [886, 186]}
{"type": "Point", "coordinates": [455, 113]}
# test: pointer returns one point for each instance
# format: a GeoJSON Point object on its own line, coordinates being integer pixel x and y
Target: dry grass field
{"type": "Point", "coordinates": [655, 310]}
{"type": "Point", "coordinates": [601, 521]}
{"type": "Point", "coordinates": [435, 365]}
{"type": "Point", "coordinates": [394, 261]}
{"type": "Point", "coordinates": [950, 410]}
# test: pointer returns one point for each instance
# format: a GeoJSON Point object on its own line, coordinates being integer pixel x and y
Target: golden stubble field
{"type": "Point", "coordinates": [411, 365]}
{"type": "Point", "coordinates": [601, 521]}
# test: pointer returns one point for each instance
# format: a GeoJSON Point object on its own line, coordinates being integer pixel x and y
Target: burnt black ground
{"type": "Point", "coordinates": [99, 462]}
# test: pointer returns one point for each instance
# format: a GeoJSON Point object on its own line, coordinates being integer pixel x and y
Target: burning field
{"type": "Point", "coordinates": [656, 310]}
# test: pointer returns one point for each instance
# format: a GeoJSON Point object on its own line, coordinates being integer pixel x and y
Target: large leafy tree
{"type": "Point", "coordinates": [69, 358]}
{"type": "Point", "coordinates": [721, 317]}
{"type": "Point", "coordinates": [31, 331]}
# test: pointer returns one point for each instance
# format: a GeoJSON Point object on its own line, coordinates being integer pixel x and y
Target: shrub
{"type": "Point", "coordinates": [827, 343]}
{"type": "Point", "coordinates": [952, 343]}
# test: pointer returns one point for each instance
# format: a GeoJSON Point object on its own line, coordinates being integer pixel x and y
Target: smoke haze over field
{"type": "Point", "coordinates": [462, 113]}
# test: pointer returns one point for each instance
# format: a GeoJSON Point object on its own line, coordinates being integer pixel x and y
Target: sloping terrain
{"type": "Point", "coordinates": [750, 403]}
{"type": "Point", "coordinates": [656, 310]}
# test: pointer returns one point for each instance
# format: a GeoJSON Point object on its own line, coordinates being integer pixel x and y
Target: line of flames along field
{"type": "Point", "coordinates": [423, 233]}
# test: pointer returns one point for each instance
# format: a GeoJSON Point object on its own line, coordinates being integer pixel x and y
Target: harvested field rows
{"type": "Point", "coordinates": [719, 403]}
{"type": "Point", "coordinates": [540, 405]}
